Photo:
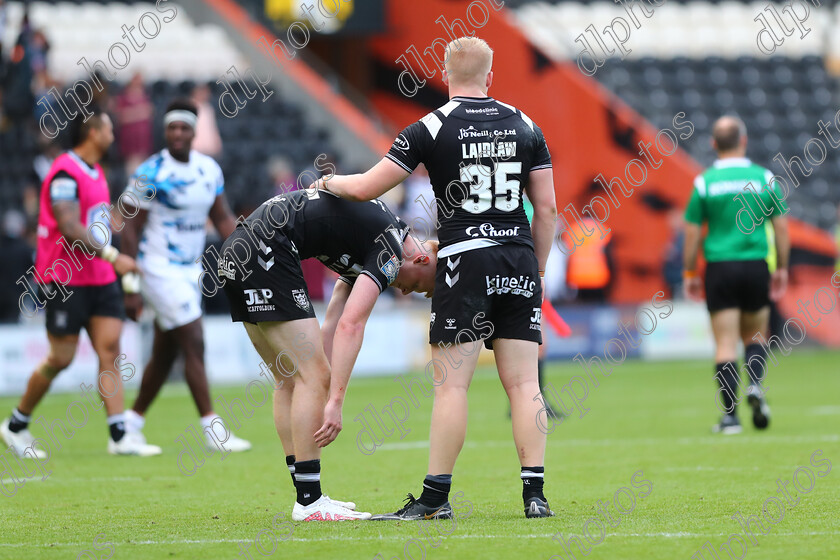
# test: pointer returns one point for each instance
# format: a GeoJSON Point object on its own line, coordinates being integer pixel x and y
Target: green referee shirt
{"type": "Point", "coordinates": [719, 194]}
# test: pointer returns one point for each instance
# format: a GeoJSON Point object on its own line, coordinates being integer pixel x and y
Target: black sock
{"type": "Point", "coordinates": [290, 462]}
{"type": "Point", "coordinates": [436, 489]}
{"type": "Point", "coordinates": [532, 482]}
{"type": "Point", "coordinates": [116, 426]}
{"type": "Point", "coordinates": [18, 421]}
{"type": "Point", "coordinates": [755, 358]}
{"type": "Point", "coordinates": [308, 481]}
{"type": "Point", "coordinates": [726, 374]}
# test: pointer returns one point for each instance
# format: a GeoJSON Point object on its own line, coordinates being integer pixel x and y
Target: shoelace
{"type": "Point", "coordinates": [410, 500]}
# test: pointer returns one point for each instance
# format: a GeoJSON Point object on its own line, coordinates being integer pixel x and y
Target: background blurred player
{"type": "Point", "coordinates": [73, 223]}
{"type": "Point", "coordinates": [480, 154]}
{"type": "Point", "coordinates": [371, 249]}
{"type": "Point", "coordinates": [745, 270]}
{"type": "Point", "coordinates": [167, 235]}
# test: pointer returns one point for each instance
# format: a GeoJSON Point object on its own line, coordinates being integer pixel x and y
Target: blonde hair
{"type": "Point", "coordinates": [468, 61]}
{"type": "Point", "coordinates": [433, 245]}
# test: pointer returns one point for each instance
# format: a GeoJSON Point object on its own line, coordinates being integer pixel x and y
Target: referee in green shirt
{"type": "Point", "coordinates": [746, 268]}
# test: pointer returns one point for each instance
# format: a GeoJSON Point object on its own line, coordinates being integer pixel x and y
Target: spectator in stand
{"type": "Point", "coordinates": [207, 138]}
{"type": "Point", "coordinates": [134, 112]}
{"type": "Point", "coordinates": [282, 177]}
{"type": "Point", "coordinates": [18, 100]}
{"type": "Point", "coordinates": [18, 257]}
{"type": "Point", "coordinates": [3, 63]}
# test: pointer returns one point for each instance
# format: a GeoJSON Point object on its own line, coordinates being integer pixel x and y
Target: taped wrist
{"type": "Point", "coordinates": [109, 253]}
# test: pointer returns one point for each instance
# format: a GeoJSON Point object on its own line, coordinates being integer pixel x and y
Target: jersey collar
{"type": "Point", "coordinates": [472, 99]}
{"type": "Point", "coordinates": [169, 157]}
{"type": "Point", "coordinates": [91, 172]}
{"type": "Point", "coordinates": [732, 162]}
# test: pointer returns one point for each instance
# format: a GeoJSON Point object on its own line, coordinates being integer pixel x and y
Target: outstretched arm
{"type": "Point", "coordinates": [371, 184]}
{"type": "Point", "coordinates": [335, 308]}
{"type": "Point", "coordinates": [349, 333]}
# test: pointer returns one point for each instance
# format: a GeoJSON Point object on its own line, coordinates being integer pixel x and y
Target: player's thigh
{"type": "Point", "coordinates": [454, 365]}
{"type": "Point", "coordinates": [106, 312]}
{"type": "Point", "coordinates": [726, 328]}
{"type": "Point", "coordinates": [62, 349]}
{"type": "Point", "coordinates": [516, 361]}
{"type": "Point", "coordinates": [459, 304]}
{"type": "Point", "coordinates": [754, 322]}
{"type": "Point", "coordinates": [280, 365]}
{"type": "Point", "coordinates": [283, 337]}
{"type": "Point", "coordinates": [104, 333]}
{"type": "Point", "coordinates": [190, 337]}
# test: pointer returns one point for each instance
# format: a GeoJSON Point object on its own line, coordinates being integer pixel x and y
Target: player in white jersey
{"type": "Point", "coordinates": [167, 236]}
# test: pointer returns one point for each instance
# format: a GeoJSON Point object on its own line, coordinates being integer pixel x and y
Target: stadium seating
{"type": "Point", "coordinates": [669, 69]}
{"type": "Point", "coordinates": [259, 131]}
{"type": "Point", "coordinates": [203, 51]}
{"type": "Point", "coordinates": [780, 100]}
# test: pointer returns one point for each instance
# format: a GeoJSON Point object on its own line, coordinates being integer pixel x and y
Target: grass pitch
{"type": "Point", "coordinates": [649, 417]}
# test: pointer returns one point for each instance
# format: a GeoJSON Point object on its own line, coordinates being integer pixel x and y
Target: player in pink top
{"type": "Point", "coordinates": [76, 268]}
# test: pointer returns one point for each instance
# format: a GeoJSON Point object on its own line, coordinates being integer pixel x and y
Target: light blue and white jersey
{"type": "Point", "coordinates": [184, 194]}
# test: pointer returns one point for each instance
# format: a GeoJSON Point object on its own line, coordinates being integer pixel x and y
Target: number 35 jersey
{"type": "Point", "coordinates": [479, 153]}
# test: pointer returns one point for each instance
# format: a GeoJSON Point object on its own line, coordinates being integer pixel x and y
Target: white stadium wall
{"type": "Point", "coordinates": [396, 341]}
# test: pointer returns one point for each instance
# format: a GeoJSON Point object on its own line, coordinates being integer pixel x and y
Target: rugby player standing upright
{"type": "Point", "coordinates": [73, 239]}
{"type": "Point", "coordinates": [370, 249]}
{"type": "Point", "coordinates": [745, 270]}
{"type": "Point", "coordinates": [481, 154]}
{"type": "Point", "coordinates": [167, 235]}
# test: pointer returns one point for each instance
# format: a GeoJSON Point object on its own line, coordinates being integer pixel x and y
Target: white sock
{"type": "Point", "coordinates": [206, 421]}
{"type": "Point", "coordinates": [134, 421]}
{"type": "Point", "coordinates": [116, 418]}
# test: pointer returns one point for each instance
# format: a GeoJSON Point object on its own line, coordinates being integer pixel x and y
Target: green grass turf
{"type": "Point", "coordinates": [653, 417]}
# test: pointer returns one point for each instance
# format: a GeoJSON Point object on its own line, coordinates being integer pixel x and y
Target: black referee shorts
{"type": "Point", "coordinates": [265, 282]}
{"type": "Point", "coordinates": [744, 285]}
{"type": "Point", "coordinates": [487, 293]}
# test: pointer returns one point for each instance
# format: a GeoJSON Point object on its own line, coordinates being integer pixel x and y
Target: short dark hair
{"type": "Point", "coordinates": [80, 127]}
{"type": "Point", "coordinates": [727, 135]}
{"type": "Point", "coordinates": [183, 104]}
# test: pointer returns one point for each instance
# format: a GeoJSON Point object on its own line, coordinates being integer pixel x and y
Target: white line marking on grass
{"type": "Point", "coordinates": [704, 440]}
{"type": "Point", "coordinates": [826, 411]}
{"type": "Point", "coordinates": [84, 480]}
{"type": "Point", "coordinates": [404, 445]}
{"type": "Point", "coordinates": [705, 468]}
{"type": "Point", "coordinates": [402, 537]}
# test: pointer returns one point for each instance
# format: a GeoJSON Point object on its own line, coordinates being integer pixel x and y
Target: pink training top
{"type": "Point", "coordinates": [71, 179]}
